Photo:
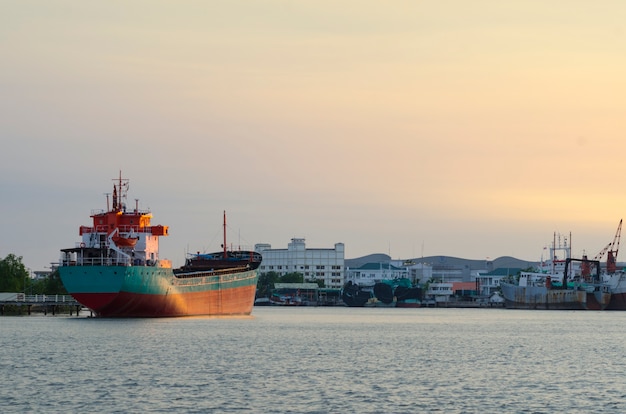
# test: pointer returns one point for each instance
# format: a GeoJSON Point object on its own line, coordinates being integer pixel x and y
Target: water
{"type": "Point", "coordinates": [318, 360]}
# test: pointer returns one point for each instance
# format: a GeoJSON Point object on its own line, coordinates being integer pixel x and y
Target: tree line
{"type": "Point", "coordinates": [15, 277]}
{"type": "Point", "coordinates": [266, 281]}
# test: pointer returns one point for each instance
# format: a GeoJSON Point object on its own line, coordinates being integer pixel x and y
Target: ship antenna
{"type": "Point", "coordinates": [107, 195]}
{"type": "Point", "coordinates": [225, 254]}
{"type": "Point", "coordinates": [119, 192]}
{"type": "Point", "coordinates": [115, 198]}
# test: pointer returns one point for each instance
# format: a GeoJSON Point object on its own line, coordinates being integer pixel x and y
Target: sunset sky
{"type": "Point", "coordinates": [411, 128]}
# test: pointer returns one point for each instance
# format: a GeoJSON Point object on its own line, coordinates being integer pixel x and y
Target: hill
{"type": "Point", "coordinates": [447, 261]}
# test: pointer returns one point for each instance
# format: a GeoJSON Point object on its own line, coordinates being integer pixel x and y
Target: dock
{"type": "Point", "coordinates": [47, 303]}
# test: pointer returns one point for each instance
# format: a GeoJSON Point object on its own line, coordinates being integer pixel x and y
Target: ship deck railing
{"type": "Point", "coordinates": [210, 272]}
{"type": "Point", "coordinates": [122, 229]}
{"type": "Point", "coordinates": [99, 211]}
{"type": "Point", "coordinates": [107, 261]}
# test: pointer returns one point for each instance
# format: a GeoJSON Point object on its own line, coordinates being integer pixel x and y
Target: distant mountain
{"type": "Point", "coordinates": [512, 262]}
{"type": "Point", "coordinates": [370, 258]}
{"type": "Point", "coordinates": [448, 261]}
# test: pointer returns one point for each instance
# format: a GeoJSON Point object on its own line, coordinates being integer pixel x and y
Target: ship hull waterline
{"type": "Point", "coordinates": [618, 301]}
{"type": "Point", "coordinates": [141, 291]}
{"type": "Point", "coordinates": [532, 297]}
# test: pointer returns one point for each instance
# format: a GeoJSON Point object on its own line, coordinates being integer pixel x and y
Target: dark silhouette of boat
{"type": "Point", "coordinates": [354, 295]}
{"type": "Point", "coordinates": [399, 292]}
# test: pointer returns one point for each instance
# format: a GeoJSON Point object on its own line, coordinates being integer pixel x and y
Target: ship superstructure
{"type": "Point", "coordinates": [118, 236]}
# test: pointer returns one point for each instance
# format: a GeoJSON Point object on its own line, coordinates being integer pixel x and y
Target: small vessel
{"type": "Point", "coordinates": [124, 241]}
{"type": "Point", "coordinates": [115, 270]}
{"type": "Point", "coordinates": [286, 299]}
{"type": "Point", "coordinates": [558, 284]}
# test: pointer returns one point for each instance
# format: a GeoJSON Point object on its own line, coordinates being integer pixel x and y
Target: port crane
{"type": "Point", "coordinates": [611, 251]}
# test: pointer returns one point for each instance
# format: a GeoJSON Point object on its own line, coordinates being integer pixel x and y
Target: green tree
{"type": "Point", "coordinates": [265, 284]}
{"type": "Point", "coordinates": [294, 277]}
{"type": "Point", "coordinates": [320, 282]}
{"type": "Point", "coordinates": [13, 274]}
{"type": "Point", "coordinates": [51, 285]}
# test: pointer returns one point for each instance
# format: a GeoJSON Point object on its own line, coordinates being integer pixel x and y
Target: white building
{"type": "Point", "coordinates": [372, 273]}
{"type": "Point", "coordinates": [41, 274]}
{"type": "Point", "coordinates": [417, 272]}
{"type": "Point", "coordinates": [440, 291]}
{"type": "Point", "coordinates": [489, 282]}
{"type": "Point", "coordinates": [314, 264]}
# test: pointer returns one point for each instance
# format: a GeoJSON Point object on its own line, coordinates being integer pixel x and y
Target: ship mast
{"type": "Point", "coordinates": [114, 198]}
{"type": "Point", "coordinates": [107, 195]}
{"type": "Point", "coordinates": [225, 253]}
{"type": "Point", "coordinates": [119, 192]}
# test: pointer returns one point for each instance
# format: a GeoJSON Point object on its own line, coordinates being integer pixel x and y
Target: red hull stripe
{"type": "Point", "coordinates": [618, 302]}
{"type": "Point", "coordinates": [235, 301]}
{"type": "Point", "coordinates": [94, 301]}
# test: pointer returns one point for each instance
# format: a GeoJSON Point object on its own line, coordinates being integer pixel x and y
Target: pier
{"type": "Point", "coordinates": [47, 303]}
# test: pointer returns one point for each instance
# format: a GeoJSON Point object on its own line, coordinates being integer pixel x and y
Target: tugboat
{"type": "Point", "coordinates": [115, 270]}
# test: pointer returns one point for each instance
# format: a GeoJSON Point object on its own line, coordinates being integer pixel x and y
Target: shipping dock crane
{"type": "Point", "coordinates": [611, 251]}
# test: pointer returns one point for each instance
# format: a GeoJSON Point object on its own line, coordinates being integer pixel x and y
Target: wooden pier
{"type": "Point", "coordinates": [45, 303]}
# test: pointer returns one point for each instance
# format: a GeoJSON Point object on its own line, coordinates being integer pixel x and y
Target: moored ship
{"type": "Point", "coordinates": [115, 270]}
{"type": "Point", "coordinates": [558, 284]}
{"type": "Point", "coordinates": [617, 285]}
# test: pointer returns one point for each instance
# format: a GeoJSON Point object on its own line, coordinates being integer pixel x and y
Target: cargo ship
{"type": "Point", "coordinates": [115, 270]}
{"type": "Point", "coordinates": [560, 283]}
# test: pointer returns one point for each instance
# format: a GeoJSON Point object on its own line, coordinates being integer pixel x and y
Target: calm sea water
{"type": "Point", "coordinates": [318, 360]}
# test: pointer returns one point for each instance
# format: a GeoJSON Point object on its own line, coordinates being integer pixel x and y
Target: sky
{"type": "Point", "coordinates": [411, 128]}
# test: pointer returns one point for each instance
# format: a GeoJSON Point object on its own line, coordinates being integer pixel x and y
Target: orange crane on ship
{"type": "Point", "coordinates": [611, 251]}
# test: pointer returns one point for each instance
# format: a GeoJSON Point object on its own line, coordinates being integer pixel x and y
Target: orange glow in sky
{"type": "Point", "coordinates": [469, 129]}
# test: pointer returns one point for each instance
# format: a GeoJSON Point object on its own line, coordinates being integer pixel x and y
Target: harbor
{"type": "Point", "coordinates": [115, 270]}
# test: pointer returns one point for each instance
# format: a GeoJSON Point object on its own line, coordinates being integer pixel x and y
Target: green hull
{"type": "Point", "coordinates": [129, 291]}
